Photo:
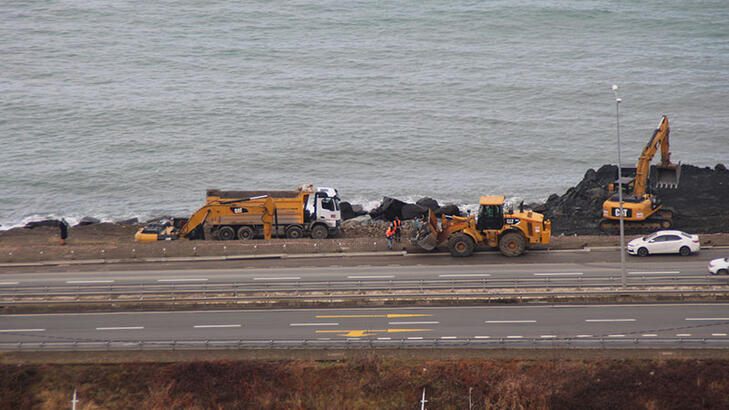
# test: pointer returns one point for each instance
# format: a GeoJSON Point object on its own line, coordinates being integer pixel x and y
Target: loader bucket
{"type": "Point", "coordinates": [428, 242]}
{"type": "Point", "coordinates": [667, 177]}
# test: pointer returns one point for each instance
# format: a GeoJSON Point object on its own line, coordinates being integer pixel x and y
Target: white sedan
{"type": "Point", "coordinates": [665, 242]}
{"type": "Point", "coordinates": [719, 266]}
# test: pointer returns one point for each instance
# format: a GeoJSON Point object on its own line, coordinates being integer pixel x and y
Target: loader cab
{"type": "Point", "coordinates": [490, 213]}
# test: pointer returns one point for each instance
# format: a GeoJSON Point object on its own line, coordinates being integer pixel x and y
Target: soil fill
{"type": "Point", "coordinates": [700, 203]}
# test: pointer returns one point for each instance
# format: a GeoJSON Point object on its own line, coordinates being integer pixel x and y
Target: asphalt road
{"type": "Point", "coordinates": [563, 268]}
{"type": "Point", "coordinates": [645, 322]}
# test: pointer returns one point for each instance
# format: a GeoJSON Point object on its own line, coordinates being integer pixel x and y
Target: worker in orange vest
{"type": "Point", "coordinates": [389, 235]}
{"type": "Point", "coordinates": [398, 227]}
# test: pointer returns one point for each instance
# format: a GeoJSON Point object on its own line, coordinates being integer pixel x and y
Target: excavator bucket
{"type": "Point", "coordinates": [667, 177]}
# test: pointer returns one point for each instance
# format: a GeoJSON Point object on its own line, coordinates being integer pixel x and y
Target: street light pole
{"type": "Point", "coordinates": [623, 276]}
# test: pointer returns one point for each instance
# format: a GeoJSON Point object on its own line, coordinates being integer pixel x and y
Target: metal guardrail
{"type": "Point", "coordinates": [356, 343]}
{"type": "Point", "coordinates": [141, 291]}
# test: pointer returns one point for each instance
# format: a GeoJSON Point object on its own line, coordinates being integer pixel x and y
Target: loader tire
{"type": "Point", "coordinates": [461, 245]}
{"type": "Point", "coordinates": [319, 232]}
{"type": "Point", "coordinates": [512, 244]}
{"type": "Point", "coordinates": [226, 233]}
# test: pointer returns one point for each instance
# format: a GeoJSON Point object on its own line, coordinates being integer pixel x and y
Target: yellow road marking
{"type": "Point", "coordinates": [387, 316]}
{"type": "Point", "coordinates": [370, 332]}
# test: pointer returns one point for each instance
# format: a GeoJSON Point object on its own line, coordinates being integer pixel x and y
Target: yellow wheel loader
{"type": "Point", "coordinates": [510, 232]}
{"type": "Point", "coordinates": [642, 210]}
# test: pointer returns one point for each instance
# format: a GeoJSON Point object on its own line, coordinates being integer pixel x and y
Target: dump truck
{"type": "Point", "coordinates": [641, 209]}
{"type": "Point", "coordinates": [245, 215]}
{"type": "Point", "coordinates": [510, 232]}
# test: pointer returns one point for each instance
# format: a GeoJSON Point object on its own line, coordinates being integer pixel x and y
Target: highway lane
{"type": "Point", "coordinates": [568, 268]}
{"type": "Point", "coordinates": [629, 321]}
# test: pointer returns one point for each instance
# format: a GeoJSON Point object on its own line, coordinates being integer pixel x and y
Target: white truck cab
{"type": "Point", "coordinates": [323, 207]}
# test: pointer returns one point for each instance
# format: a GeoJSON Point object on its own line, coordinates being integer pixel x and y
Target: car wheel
{"type": "Point", "coordinates": [722, 272]}
{"type": "Point", "coordinates": [642, 252]}
{"type": "Point", "coordinates": [685, 251]}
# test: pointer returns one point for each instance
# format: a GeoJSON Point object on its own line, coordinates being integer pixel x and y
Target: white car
{"type": "Point", "coordinates": [719, 266]}
{"type": "Point", "coordinates": [665, 242]}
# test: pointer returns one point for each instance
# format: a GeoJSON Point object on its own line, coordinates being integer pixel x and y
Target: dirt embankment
{"type": "Point", "coordinates": [700, 202]}
{"type": "Point", "coordinates": [373, 383]}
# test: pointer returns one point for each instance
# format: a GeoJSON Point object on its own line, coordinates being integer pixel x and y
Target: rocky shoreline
{"type": "Point", "coordinates": [700, 204]}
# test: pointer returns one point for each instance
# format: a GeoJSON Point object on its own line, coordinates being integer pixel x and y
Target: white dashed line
{"type": "Point", "coordinates": [609, 320]}
{"type": "Point", "coordinates": [449, 337]}
{"type": "Point", "coordinates": [384, 338]}
{"type": "Point", "coordinates": [560, 274]}
{"type": "Point", "coordinates": [415, 338]}
{"type": "Point", "coordinates": [583, 336]}
{"type": "Point", "coordinates": [616, 335]}
{"type": "Point", "coordinates": [213, 326]}
{"type": "Point", "coordinates": [80, 282]}
{"type": "Point", "coordinates": [280, 278]}
{"type": "Point", "coordinates": [482, 337]}
{"type": "Point", "coordinates": [670, 272]}
{"type": "Point", "coordinates": [509, 321]}
{"type": "Point", "coordinates": [413, 323]}
{"type": "Point", "coordinates": [22, 330]}
{"type": "Point", "coordinates": [183, 280]}
{"type": "Point", "coordinates": [514, 337]}
{"type": "Point", "coordinates": [707, 318]}
{"type": "Point", "coordinates": [683, 334]}
{"type": "Point", "coordinates": [649, 335]}
{"type": "Point", "coordinates": [371, 277]}
{"type": "Point", "coordinates": [466, 275]}
{"type": "Point", "coordinates": [548, 336]}
{"type": "Point", "coordinates": [8, 283]}
{"type": "Point", "coordinates": [121, 328]}
{"type": "Point", "coordinates": [718, 334]}
{"type": "Point", "coordinates": [315, 324]}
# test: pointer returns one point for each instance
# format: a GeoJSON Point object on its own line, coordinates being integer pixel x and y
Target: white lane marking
{"type": "Point", "coordinates": [649, 335]}
{"type": "Point", "coordinates": [510, 321]}
{"type": "Point", "coordinates": [449, 337]}
{"type": "Point", "coordinates": [413, 323]}
{"type": "Point", "coordinates": [315, 324]}
{"type": "Point", "coordinates": [88, 281]}
{"type": "Point", "coordinates": [482, 337]}
{"type": "Point", "coordinates": [323, 338]}
{"type": "Point", "coordinates": [466, 275]}
{"type": "Point", "coordinates": [371, 277]}
{"type": "Point", "coordinates": [683, 334]}
{"type": "Point", "coordinates": [384, 338]}
{"type": "Point", "coordinates": [584, 336]}
{"type": "Point", "coordinates": [548, 336]}
{"type": "Point", "coordinates": [415, 338]}
{"type": "Point", "coordinates": [514, 337]}
{"type": "Point", "coordinates": [616, 335]}
{"type": "Point", "coordinates": [8, 283]}
{"type": "Point", "coordinates": [22, 330]}
{"type": "Point", "coordinates": [560, 274]}
{"type": "Point", "coordinates": [279, 278]}
{"type": "Point", "coordinates": [718, 334]}
{"type": "Point", "coordinates": [213, 326]}
{"type": "Point", "coordinates": [707, 318]}
{"type": "Point", "coordinates": [609, 320]}
{"type": "Point", "coordinates": [121, 328]}
{"type": "Point", "coordinates": [183, 280]}
{"type": "Point", "coordinates": [668, 272]}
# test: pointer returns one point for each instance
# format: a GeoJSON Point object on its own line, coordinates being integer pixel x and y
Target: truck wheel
{"type": "Point", "coordinates": [319, 232]}
{"type": "Point", "coordinates": [245, 233]}
{"type": "Point", "coordinates": [226, 233]}
{"type": "Point", "coordinates": [512, 244]}
{"type": "Point", "coordinates": [294, 232]}
{"type": "Point", "coordinates": [461, 245]}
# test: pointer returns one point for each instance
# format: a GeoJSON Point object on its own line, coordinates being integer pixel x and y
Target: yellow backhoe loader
{"type": "Point", "coordinates": [642, 210]}
{"type": "Point", "coordinates": [510, 232]}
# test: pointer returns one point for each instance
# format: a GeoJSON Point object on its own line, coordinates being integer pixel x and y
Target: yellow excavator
{"type": "Point", "coordinates": [642, 210]}
{"type": "Point", "coordinates": [510, 232]}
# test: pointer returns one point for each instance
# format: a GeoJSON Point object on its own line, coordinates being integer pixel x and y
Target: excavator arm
{"type": "Point", "coordinates": [666, 170]}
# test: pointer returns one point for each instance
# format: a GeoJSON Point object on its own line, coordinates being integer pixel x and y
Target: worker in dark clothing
{"type": "Point", "coordinates": [63, 230]}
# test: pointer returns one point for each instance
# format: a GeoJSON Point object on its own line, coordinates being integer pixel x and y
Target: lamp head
{"type": "Point", "coordinates": [615, 87]}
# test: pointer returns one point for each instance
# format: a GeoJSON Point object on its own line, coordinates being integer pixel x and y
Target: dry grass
{"type": "Point", "coordinates": [372, 383]}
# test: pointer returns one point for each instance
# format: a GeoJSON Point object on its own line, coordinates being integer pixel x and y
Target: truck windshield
{"type": "Point", "coordinates": [328, 204]}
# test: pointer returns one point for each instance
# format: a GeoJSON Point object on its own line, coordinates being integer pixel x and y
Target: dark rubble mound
{"type": "Point", "coordinates": [700, 203]}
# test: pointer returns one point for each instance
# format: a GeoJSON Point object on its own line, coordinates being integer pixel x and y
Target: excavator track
{"type": "Point", "coordinates": [662, 219]}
